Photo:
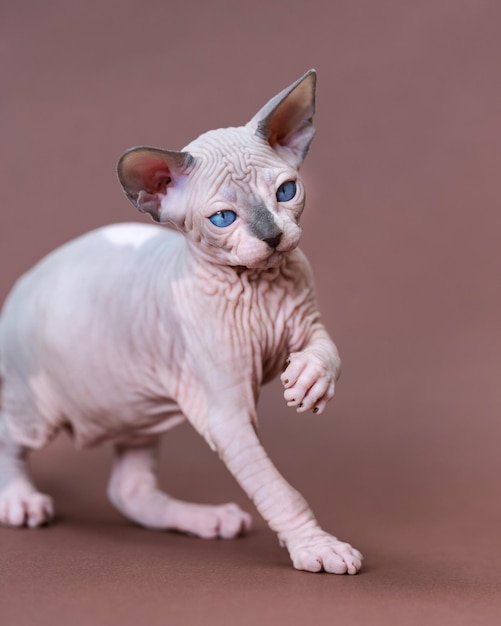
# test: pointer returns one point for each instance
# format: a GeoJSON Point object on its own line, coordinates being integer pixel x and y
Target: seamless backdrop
{"type": "Point", "coordinates": [402, 227]}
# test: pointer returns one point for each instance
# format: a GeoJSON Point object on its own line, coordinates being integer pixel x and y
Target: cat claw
{"type": "Point", "coordinates": [309, 382]}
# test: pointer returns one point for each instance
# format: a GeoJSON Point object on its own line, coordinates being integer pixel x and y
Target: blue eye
{"type": "Point", "coordinates": [221, 219]}
{"type": "Point", "coordinates": [286, 191]}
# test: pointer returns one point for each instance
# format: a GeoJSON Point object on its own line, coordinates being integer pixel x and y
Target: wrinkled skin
{"type": "Point", "coordinates": [130, 329]}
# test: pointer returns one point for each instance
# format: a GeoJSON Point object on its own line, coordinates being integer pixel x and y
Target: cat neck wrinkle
{"type": "Point", "coordinates": [206, 268]}
{"type": "Point", "coordinates": [214, 278]}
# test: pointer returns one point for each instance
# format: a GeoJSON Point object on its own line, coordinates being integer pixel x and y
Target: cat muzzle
{"type": "Point", "coordinates": [273, 242]}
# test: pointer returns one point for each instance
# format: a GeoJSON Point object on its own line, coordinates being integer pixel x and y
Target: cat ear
{"type": "Point", "coordinates": [147, 174]}
{"type": "Point", "coordinates": [286, 120]}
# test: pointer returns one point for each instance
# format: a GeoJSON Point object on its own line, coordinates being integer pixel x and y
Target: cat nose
{"type": "Point", "coordinates": [273, 241]}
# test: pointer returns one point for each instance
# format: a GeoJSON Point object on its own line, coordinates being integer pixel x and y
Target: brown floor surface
{"type": "Point", "coordinates": [403, 230]}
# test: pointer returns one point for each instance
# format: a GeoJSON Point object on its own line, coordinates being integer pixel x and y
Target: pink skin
{"type": "Point", "coordinates": [308, 385]}
{"type": "Point", "coordinates": [129, 330]}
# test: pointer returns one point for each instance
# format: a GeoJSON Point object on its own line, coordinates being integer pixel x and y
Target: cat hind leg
{"type": "Point", "coordinates": [21, 504]}
{"type": "Point", "coordinates": [134, 491]}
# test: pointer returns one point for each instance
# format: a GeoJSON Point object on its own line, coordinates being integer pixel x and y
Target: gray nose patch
{"type": "Point", "coordinates": [263, 226]}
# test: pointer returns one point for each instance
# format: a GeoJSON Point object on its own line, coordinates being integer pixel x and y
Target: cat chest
{"type": "Point", "coordinates": [251, 328]}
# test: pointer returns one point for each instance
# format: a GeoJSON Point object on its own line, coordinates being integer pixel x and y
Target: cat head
{"type": "Point", "coordinates": [235, 193]}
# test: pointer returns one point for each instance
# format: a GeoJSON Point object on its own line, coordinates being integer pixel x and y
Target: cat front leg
{"type": "Point", "coordinates": [310, 375]}
{"type": "Point", "coordinates": [285, 510]}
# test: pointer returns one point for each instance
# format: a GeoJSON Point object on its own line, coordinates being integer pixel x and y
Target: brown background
{"type": "Point", "coordinates": [403, 230]}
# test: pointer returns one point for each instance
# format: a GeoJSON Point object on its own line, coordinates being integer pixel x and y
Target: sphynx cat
{"type": "Point", "coordinates": [133, 328]}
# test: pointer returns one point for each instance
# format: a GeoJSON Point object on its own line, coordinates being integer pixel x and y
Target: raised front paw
{"type": "Point", "coordinates": [325, 553]}
{"type": "Point", "coordinates": [309, 381]}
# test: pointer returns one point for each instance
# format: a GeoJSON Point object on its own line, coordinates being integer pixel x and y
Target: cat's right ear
{"type": "Point", "coordinates": [147, 174]}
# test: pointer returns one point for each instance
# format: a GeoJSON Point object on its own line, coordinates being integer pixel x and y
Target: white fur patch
{"type": "Point", "coordinates": [134, 235]}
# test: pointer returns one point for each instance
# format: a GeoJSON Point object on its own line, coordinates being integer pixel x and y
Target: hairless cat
{"type": "Point", "coordinates": [132, 328]}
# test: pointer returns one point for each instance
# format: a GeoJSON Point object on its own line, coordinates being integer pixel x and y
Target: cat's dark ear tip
{"type": "Point", "coordinates": [128, 159]}
{"type": "Point", "coordinates": [312, 75]}
{"type": "Point", "coordinates": [308, 78]}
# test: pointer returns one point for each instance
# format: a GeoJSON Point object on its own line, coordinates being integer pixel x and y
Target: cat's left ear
{"type": "Point", "coordinates": [286, 121]}
{"type": "Point", "coordinates": [148, 175]}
